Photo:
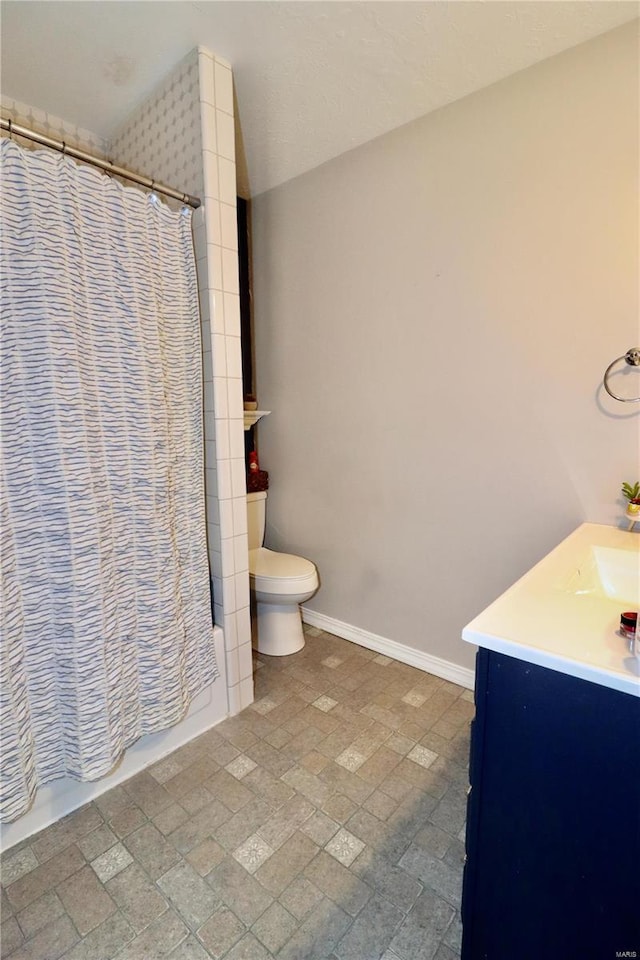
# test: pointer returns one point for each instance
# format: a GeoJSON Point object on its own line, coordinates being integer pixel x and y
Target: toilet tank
{"type": "Point", "coordinates": [256, 516]}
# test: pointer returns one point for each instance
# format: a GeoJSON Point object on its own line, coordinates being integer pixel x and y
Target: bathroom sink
{"type": "Point", "coordinates": [565, 612]}
{"type": "Point", "coordinates": [607, 572]}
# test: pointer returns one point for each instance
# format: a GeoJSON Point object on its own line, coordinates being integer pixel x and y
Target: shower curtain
{"type": "Point", "coordinates": [107, 630]}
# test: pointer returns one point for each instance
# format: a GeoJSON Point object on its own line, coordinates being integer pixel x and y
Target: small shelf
{"type": "Point", "coordinates": [251, 417]}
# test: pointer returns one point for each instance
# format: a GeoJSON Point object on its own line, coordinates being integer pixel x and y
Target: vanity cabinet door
{"type": "Point", "coordinates": [553, 834]}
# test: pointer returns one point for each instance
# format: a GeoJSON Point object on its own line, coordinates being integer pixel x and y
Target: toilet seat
{"type": "Point", "coordinates": [280, 573]}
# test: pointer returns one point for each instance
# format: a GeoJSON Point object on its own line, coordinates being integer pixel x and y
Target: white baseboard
{"type": "Point", "coordinates": [444, 669]}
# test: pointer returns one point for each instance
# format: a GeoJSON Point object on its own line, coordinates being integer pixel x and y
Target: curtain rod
{"type": "Point", "coordinates": [107, 165]}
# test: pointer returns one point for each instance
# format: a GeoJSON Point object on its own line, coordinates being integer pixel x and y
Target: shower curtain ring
{"type": "Point", "coordinates": [10, 122]}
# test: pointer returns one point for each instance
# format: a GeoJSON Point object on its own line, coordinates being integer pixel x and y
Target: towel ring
{"type": "Point", "coordinates": [631, 357]}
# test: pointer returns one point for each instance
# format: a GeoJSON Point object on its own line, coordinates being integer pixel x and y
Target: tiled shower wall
{"type": "Point", "coordinates": [183, 135]}
{"type": "Point", "coordinates": [52, 126]}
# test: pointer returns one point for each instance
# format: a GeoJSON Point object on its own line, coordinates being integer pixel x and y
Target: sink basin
{"type": "Point", "coordinates": [607, 572]}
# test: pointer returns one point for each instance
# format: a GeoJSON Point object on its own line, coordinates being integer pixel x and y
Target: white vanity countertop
{"type": "Point", "coordinates": [564, 613]}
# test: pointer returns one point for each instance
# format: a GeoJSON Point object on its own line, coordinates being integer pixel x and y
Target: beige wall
{"type": "Point", "coordinates": [433, 315]}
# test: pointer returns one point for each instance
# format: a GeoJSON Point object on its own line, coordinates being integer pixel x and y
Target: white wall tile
{"type": "Point", "coordinates": [232, 314]}
{"type": "Point", "coordinates": [212, 504]}
{"type": "Point", "coordinates": [245, 660]}
{"type": "Point", "coordinates": [236, 438]}
{"type": "Point", "coordinates": [224, 87]}
{"type": "Point", "coordinates": [214, 540]}
{"type": "Point", "coordinates": [234, 392]}
{"type": "Point", "coordinates": [216, 303]}
{"type": "Point", "coordinates": [230, 631]}
{"type": "Point", "coordinates": [229, 226]}
{"type": "Point", "coordinates": [207, 367]}
{"type": "Point", "coordinates": [214, 267]}
{"type": "Point", "coordinates": [209, 127]}
{"type": "Point", "coordinates": [238, 479]}
{"type": "Point", "coordinates": [203, 302]}
{"type": "Point", "coordinates": [212, 222]}
{"type": "Point", "coordinates": [234, 696]}
{"type": "Point", "coordinates": [229, 592]}
{"type": "Point", "coordinates": [241, 554]}
{"type": "Point", "coordinates": [206, 72]}
{"type": "Point", "coordinates": [219, 351]}
{"type": "Point", "coordinates": [227, 191]}
{"type": "Point", "coordinates": [239, 507]}
{"type": "Point", "coordinates": [220, 397]}
{"type": "Point", "coordinates": [210, 453]}
{"type": "Point", "coordinates": [211, 482]}
{"type": "Point", "coordinates": [230, 271]}
{"type": "Point", "coordinates": [223, 447]}
{"type": "Point", "coordinates": [243, 625]}
{"type": "Point", "coordinates": [227, 552]}
{"type": "Point", "coordinates": [225, 509]}
{"type": "Point", "coordinates": [241, 592]}
{"type": "Point", "coordinates": [199, 238]}
{"type": "Point", "coordinates": [215, 560]}
{"type": "Point", "coordinates": [210, 176]}
{"type": "Point", "coordinates": [225, 135]}
{"type": "Point", "coordinates": [233, 667]}
{"type": "Point", "coordinates": [224, 481]}
{"type": "Point", "coordinates": [234, 357]}
{"type": "Point", "coordinates": [246, 692]}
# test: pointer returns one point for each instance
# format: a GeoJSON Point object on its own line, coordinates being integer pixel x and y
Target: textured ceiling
{"type": "Point", "coordinates": [313, 79]}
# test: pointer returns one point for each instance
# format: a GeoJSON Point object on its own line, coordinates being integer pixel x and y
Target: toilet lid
{"type": "Point", "coordinates": [267, 564]}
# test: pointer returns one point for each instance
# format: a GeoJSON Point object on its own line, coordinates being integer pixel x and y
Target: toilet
{"type": "Point", "coordinates": [279, 582]}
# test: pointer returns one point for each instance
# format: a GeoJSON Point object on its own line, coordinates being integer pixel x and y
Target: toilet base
{"type": "Point", "coordinates": [279, 629]}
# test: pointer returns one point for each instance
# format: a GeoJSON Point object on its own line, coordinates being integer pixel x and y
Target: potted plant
{"type": "Point", "coordinates": [632, 494]}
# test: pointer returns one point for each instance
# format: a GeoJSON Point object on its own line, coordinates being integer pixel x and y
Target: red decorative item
{"type": "Point", "coordinates": [254, 467]}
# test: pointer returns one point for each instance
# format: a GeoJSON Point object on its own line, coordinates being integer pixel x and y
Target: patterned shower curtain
{"type": "Point", "coordinates": [106, 612]}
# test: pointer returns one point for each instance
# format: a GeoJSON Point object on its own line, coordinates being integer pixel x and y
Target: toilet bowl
{"type": "Point", "coordinates": [279, 583]}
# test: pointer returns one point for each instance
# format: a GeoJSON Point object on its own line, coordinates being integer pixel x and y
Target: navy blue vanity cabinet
{"type": "Point", "coordinates": [553, 819]}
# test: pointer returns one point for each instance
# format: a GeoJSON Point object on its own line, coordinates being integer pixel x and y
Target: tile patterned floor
{"type": "Point", "coordinates": [325, 821]}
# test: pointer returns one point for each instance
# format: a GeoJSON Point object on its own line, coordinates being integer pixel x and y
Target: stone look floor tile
{"type": "Point", "coordinates": [151, 850]}
{"type": "Point", "coordinates": [241, 766]}
{"type": "Point", "coordinates": [318, 934]}
{"type": "Point", "coordinates": [325, 821]}
{"type": "Point", "coordinates": [253, 853]}
{"type": "Point", "coordinates": [138, 898]}
{"type": "Point", "coordinates": [86, 900]}
{"type": "Point", "coordinates": [32, 885]}
{"type": "Point", "coordinates": [111, 862]}
{"type": "Point", "coordinates": [190, 949]}
{"type": "Point", "coordinates": [371, 932]}
{"type": "Point", "coordinates": [158, 940]}
{"type": "Point", "coordinates": [286, 863]}
{"type": "Point", "coordinates": [192, 897]}
{"type": "Point", "coordinates": [241, 892]}
{"type": "Point", "coordinates": [205, 856]}
{"type": "Point", "coordinates": [11, 936]}
{"type": "Point", "coordinates": [324, 703]}
{"type": "Point", "coordinates": [50, 943]}
{"type": "Point", "coordinates": [17, 865]}
{"type": "Point", "coordinates": [275, 927]}
{"type": "Point", "coordinates": [40, 913]}
{"type": "Point", "coordinates": [345, 847]}
{"type": "Point", "coordinates": [221, 931]}
{"type": "Point", "coordinates": [104, 942]}
{"type": "Point", "coordinates": [422, 756]}
{"type": "Point", "coordinates": [300, 897]}
{"type": "Point", "coordinates": [248, 949]}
